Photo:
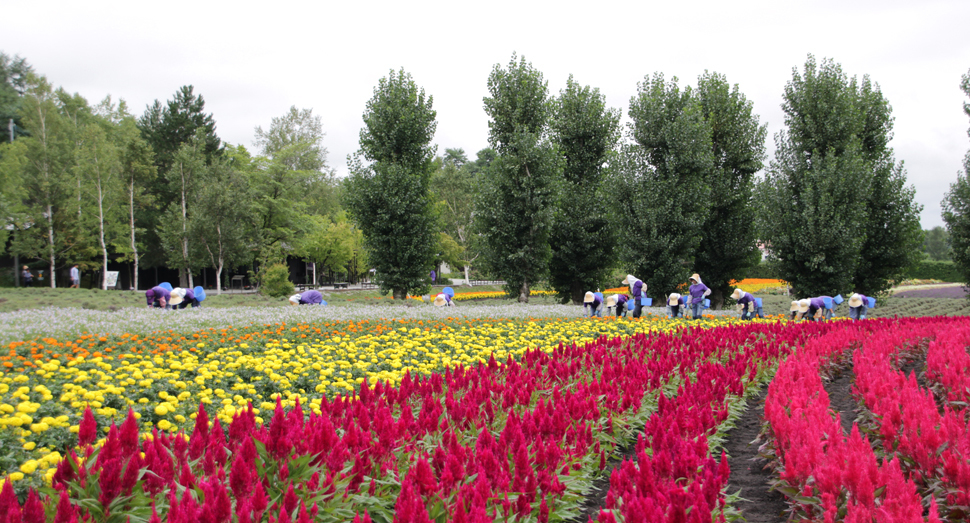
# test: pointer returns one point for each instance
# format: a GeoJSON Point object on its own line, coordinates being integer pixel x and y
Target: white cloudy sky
{"type": "Point", "coordinates": [252, 61]}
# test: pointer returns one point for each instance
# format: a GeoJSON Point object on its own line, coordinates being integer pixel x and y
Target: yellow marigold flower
{"type": "Point", "coordinates": [161, 410]}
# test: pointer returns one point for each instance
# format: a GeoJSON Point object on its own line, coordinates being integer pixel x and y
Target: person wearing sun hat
{"type": "Point", "coordinates": [638, 290]}
{"type": "Point", "coordinates": [443, 300]}
{"type": "Point", "coordinates": [745, 300]}
{"type": "Point", "coordinates": [804, 306]}
{"type": "Point", "coordinates": [858, 306]}
{"type": "Point", "coordinates": [675, 306]}
{"type": "Point", "coordinates": [592, 305]}
{"type": "Point", "coordinates": [697, 291]}
{"type": "Point", "coordinates": [818, 304]}
{"type": "Point", "coordinates": [794, 309]}
{"type": "Point", "coordinates": [182, 298]}
{"type": "Point", "coordinates": [618, 302]}
{"type": "Point", "coordinates": [158, 297]}
{"type": "Point", "coordinates": [307, 298]}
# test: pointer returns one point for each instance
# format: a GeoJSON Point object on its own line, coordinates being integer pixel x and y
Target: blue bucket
{"type": "Point", "coordinates": [828, 302]}
{"type": "Point", "coordinates": [449, 291]}
{"type": "Point", "coordinates": [872, 303]}
{"type": "Point", "coordinates": [630, 305]}
{"type": "Point", "coordinates": [199, 293]}
{"type": "Point", "coordinates": [324, 302]}
{"type": "Point", "coordinates": [838, 299]}
{"type": "Point", "coordinates": [598, 295]}
{"type": "Point", "coordinates": [707, 304]}
{"type": "Point", "coordinates": [646, 302]}
{"type": "Point", "coordinates": [757, 302]}
{"type": "Point", "coordinates": [166, 285]}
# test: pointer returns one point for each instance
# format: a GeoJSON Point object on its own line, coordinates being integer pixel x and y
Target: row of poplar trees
{"type": "Point", "coordinates": [93, 183]}
{"type": "Point", "coordinates": [570, 197]}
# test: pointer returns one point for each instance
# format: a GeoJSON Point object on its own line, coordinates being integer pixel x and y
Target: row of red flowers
{"type": "Point", "coordinates": [931, 443]}
{"type": "Point", "coordinates": [827, 475]}
{"type": "Point", "coordinates": [521, 440]}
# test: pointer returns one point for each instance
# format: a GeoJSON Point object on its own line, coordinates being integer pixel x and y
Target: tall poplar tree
{"type": "Point", "coordinates": [388, 192]}
{"type": "Point", "coordinates": [662, 184]}
{"type": "Point", "coordinates": [583, 241]}
{"type": "Point", "coordinates": [519, 189]}
{"type": "Point", "coordinates": [727, 247]}
{"type": "Point", "coordinates": [837, 214]}
{"type": "Point", "coordinates": [956, 204]}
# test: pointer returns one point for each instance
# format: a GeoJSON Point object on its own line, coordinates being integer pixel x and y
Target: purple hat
{"type": "Point", "coordinates": [150, 293]}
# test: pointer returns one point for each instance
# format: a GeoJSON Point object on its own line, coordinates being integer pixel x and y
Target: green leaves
{"type": "Point", "coordinates": [662, 184]}
{"type": "Point", "coordinates": [390, 199]}
{"type": "Point", "coordinates": [836, 210]}
{"type": "Point", "coordinates": [583, 239]}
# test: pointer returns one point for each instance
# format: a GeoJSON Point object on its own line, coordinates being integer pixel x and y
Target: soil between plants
{"type": "Point", "coordinates": [748, 472]}
{"type": "Point", "coordinates": [596, 499]}
{"type": "Point", "coordinates": [840, 398]}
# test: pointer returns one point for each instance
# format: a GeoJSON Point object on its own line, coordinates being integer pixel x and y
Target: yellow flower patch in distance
{"type": "Point", "coordinates": [164, 377]}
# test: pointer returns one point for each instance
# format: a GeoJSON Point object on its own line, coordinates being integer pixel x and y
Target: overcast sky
{"type": "Point", "coordinates": [252, 61]}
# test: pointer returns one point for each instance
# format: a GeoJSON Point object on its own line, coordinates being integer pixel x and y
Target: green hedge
{"type": "Point", "coordinates": [935, 270]}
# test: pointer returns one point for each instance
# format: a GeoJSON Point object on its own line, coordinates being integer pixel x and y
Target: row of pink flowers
{"type": "Point", "coordinates": [931, 443]}
{"type": "Point", "coordinates": [518, 441]}
{"type": "Point", "coordinates": [827, 475]}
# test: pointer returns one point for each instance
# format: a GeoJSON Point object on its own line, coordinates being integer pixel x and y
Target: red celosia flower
{"type": "Point", "coordinates": [87, 429]}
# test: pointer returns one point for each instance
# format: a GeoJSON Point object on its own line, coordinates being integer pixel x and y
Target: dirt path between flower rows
{"type": "Point", "coordinates": [748, 472]}
{"type": "Point", "coordinates": [840, 397]}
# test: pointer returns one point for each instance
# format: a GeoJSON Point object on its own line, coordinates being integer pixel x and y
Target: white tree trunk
{"type": "Point", "coordinates": [186, 274]}
{"type": "Point", "coordinates": [131, 223]}
{"type": "Point", "coordinates": [50, 242]}
{"type": "Point", "coordinates": [104, 247]}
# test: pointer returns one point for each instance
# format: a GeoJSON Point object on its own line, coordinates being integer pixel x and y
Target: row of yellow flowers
{"type": "Point", "coordinates": [164, 378]}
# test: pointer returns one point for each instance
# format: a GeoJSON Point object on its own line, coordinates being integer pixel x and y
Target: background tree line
{"type": "Point", "coordinates": [563, 196]}
{"type": "Point", "coordinates": [92, 183]}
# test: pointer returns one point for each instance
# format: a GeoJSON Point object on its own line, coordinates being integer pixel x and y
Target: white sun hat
{"type": "Point", "coordinates": [629, 279]}
{"type": "Point", "coordinates": [855, 300]}
{"type": "Point", "coordinates": [175, 298]}
{"type": "Point", "coordinates": [803, 305]}
{"type": "Point", "coordinates": [440, 300]}
{"type": "Point", "coordinates": [589, 298]}
{"type": "Point", "coordinates": [794, 306]}
{"type": "Point", "coordinates": [611, 301]}
{"type": "Point", "coordinates": [737, 294]}
{"type": "Point", "coordinates": [673, 300]}
{"type": "Point", "coordinates": [295, 299]}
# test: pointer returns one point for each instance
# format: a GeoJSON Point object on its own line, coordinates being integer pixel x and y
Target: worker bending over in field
{"type": "Point", "coordinates": [307, 298]}
{"type": "Point", "coordinates": [638, 292]}
{"type": "Point", "coordinates": [675, 306]}
{"type": "Point", "coordinates": [593, 305]}
{"type": "Point", "coordinates": [158, 297]}
{"type": "Point", "coordinates": [818, 305]}
{"type": "Point", "coordinates": [182, 298]}
{"type": "Point", "coordinates": [794, 310]}
{"type": "Point", "coordinates": [858, 306]}
{"type": "Point", "coordinates": [698, 291]}
{"type": "Point", "coordinates": [443, 299]}
{"type": "Point", "coordinates": [618, 302]}
{"type": "Point", "coordinates": [745, 300]}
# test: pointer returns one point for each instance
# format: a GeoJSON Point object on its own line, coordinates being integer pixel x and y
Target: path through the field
{"type": "Point", "coordinates": [748, 473]}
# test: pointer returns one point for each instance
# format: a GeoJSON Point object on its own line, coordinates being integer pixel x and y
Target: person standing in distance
{"type": "Point", "coordinates": [698, 291]}
{"type": "Point", "coordinates": [75, 277]}
{"type": "Point", "coordinates": [28, 277]}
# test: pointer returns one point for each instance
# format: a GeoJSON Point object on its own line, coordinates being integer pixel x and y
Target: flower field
{"type": "Point", "coordinates": [477, 419]}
